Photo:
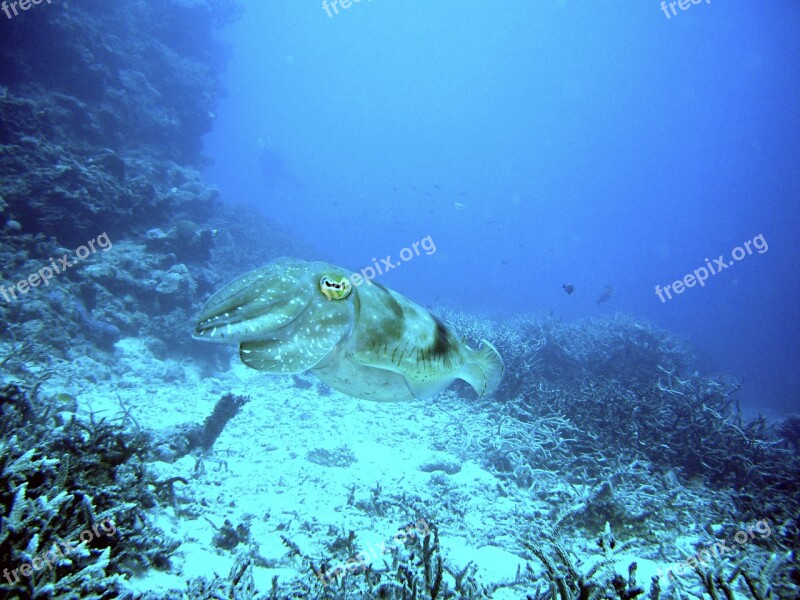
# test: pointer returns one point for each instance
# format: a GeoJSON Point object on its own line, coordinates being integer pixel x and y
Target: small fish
{"type": "Point", "coordinates": [607, 293]}
{"type": "Point", "coordinates": [436, 186]}
{"type": "Point", "coordinates": [569, 288]}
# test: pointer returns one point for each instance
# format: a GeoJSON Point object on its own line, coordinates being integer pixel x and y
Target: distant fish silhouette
{"type": "Point", "coordinates": [607, 293]}
{"type": "Point", "coordinates": [569, 288]}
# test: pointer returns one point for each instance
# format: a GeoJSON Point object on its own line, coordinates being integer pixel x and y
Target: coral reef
{"type": "Point", "coordinates": [600, 423]}
{"type": "Point", "coordinates": [413, 568]}
{"type": "Point", "coordinates": [102, 110]}
{"type": "Point", "coordinates": [73, 496]}
{"type": "Point", "coordinates": [622, 386]}
{"type": "Point", "coordinates": [612, 408]}
{"type": "Point", "coordinates": [564, 576]}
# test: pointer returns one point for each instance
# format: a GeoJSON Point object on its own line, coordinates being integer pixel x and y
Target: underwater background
{"type": "Point", "coordinates": [606, 193]}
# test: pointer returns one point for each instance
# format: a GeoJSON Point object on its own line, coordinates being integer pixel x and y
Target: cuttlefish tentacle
{"type": "Point", "coordinates": [369, 342]}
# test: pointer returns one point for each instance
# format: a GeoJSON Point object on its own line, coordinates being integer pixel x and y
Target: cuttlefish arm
{"type": "Point", "coordinates": [280, 316]}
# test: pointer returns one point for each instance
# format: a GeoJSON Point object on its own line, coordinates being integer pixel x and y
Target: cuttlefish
{"type": "Point", "coordinates": [365, 340]}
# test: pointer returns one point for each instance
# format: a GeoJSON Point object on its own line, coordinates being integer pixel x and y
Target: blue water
{"type": "Point", "coordinates": [538, 144]}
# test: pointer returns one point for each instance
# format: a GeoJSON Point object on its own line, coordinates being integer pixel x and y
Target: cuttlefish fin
{"type": "Point", "coordinates": [428, 389]}
{"type": "Point", "coordinates": [483, 369]}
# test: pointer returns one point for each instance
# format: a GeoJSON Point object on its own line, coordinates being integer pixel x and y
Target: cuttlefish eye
{"type": "Point", "coordinates": [335, 289]}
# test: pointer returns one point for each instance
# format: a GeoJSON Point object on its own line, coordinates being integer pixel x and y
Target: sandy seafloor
{"type": "Point", "coordinates": [258, 472]}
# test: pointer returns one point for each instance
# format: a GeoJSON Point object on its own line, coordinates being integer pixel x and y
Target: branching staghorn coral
{"type": "Point", "coordinates": [411, 567]}
{"type": "Point", "coordinates": [622, 388]}
{"type": "Point", "coordinates": [752, 574]}
{"type": "Point", "coordinates": [627, 387]}
{"type": "Point", "coordinates": [72, 499]}
{"type": "Point", "coordinates": [568, 578]}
